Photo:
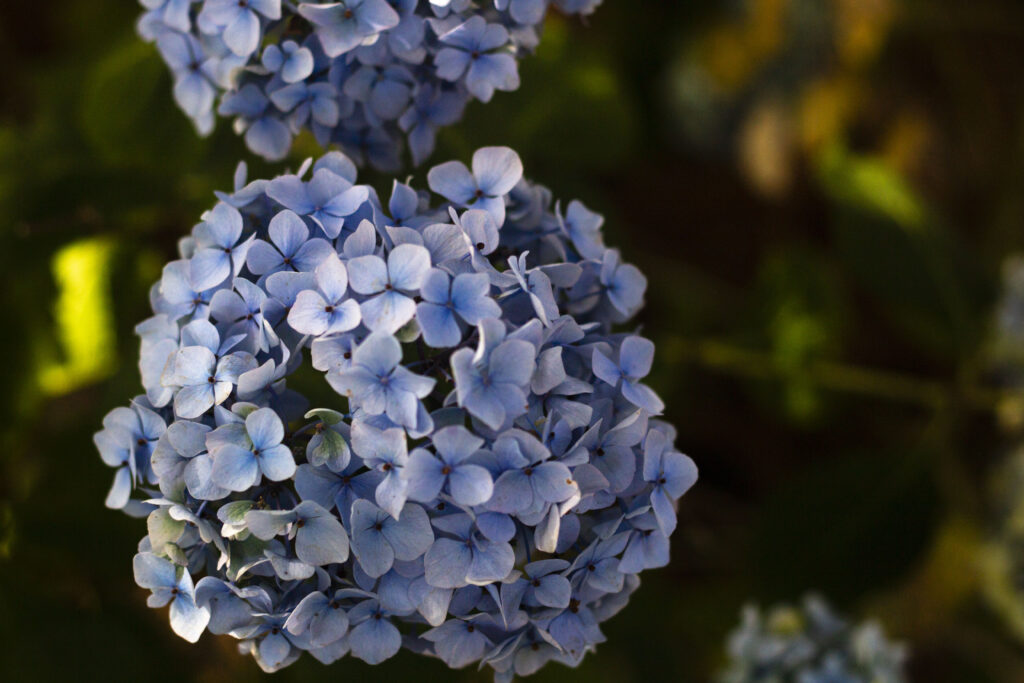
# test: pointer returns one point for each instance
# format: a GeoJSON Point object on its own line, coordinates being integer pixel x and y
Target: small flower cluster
{"type": "Point", "coordinates": [1001, 558]}
{"type": "Point", "coordinates": [1006, 350]}
{"type": "Point", "coordinates": [495, 478]}
{"type": "Point", "coordinates": [810, 645]}
{"type": "Point", "coordinates": [363, 74]}
{"type": "Point", "coordinates": [1002, 555]}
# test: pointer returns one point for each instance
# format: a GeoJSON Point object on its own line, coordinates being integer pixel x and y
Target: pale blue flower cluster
{"type": "Point", "coordinates": [362, 74]}
{"type": "Point", "coordinates": [810, 644]}
{"type": "Point", "coordinates": [488, 481]}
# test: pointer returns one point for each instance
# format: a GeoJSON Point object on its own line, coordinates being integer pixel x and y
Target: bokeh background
{"type": "Point", "coordinates": [822, 194]}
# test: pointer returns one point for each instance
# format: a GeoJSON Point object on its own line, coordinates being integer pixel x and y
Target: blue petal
{"type": "Point", "coordinates": [242, 36]}
{"type": "Point", "coordinates": [309, 314]}
{"type": "Point", "coordinates": [470, 485]}
{"type": "Point", "coordinates": [276, 463]}
{"type": "Point", "coordinates": [379, 353]}
{"type": "Point", "coordinates": [328, 626]}
{"type": "Point", "coordinates": [512, 492]}
{"type": "Point", "coordinates": [438, 324]}
{"type": "Point", "coordinates": [452, 180]}
{"type": "Point", "coordinates": [497, 170]}
{"type": "Point", "coordinates": [491, 562]}
{"type": "Point", "coordinates": [321, 539]}
{"type": "Point", "coordinates": [269, 138]}
{"type": "Point", "coordinates": [187, 619]}
{"type": "Point", "coordinates": [373, 551]}
{"type": "Point", "coordinates": [388, 312]}
{"type": "Point", "coordinates": [290, 191]}
{"type": "Point", "coordinates": [274, 648]}
{"type": "Point", "coordinates": [410, 535]}
{"type": "Point", "coordinates": [235, 468]}
{"type": "Point", "coordinates": [553, 591]}
{"type": "Point", "coordinates": [264, 428]}
{"type": "Point", "coordinates": [375, 640]}
{"type": "Point", "coordinates": [368, 274]}
{"type": "Point", "coordinates": [408, 264]}
{"type": "Point", "coordinates": [447, 562]}
{"type": "Point", "coordinates": [553, 482]}
{"type": "Point", "coordinates": [391, 493]}
{"type": "Point", "coordinates": [424, 474]}
{"type": "Point", "coordinates": [513, 361]}
{"type": "Point", "coordinates": [120, 490]}
{"type": "Point", "coordinates": [152, 571]}
{"type": "Point", "coordinates": [208, 268]}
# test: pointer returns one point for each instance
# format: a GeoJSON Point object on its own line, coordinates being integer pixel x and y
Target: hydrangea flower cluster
{"type": "Point", "coordinates": [364, 74]}
{"type": "Point", "coordinates": [810, 644]}
{"type": "Point", "coordinates": [490, 477]}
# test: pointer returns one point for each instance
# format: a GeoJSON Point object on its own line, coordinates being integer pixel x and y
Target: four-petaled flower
{"type": "Point", "coordinates": [492, 387]}
{"type": "Point", "coordinates": [171, 584]}
{"type": "Point", "coordinates": [343, 26]}
{"type": "Point", "coordinates": [496, 170]}
{"type": "Point", "coordinates": [450, 469]}
{"type": "Point", "coordinates": [378, 383]}
{"type": "Point", "coordinates": [474, 50]}
{"type": "Point", "coordinates": [239, 21]}
{"type": "Point", "coordinates": [221, 255]}
{"type": "Point", "coordinates": [245, 452]}
{"type": "Point", "coordinates": [446, 300]}
{"type": "Point", "coordinates": [635, 358]}
{"type": "Point", "coordinates": [392, 285]}
{"type": "Point", "coordinates": [328, 310]}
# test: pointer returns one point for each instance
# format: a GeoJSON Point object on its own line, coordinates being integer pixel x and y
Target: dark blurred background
{"type": "Point", "coordinates": [821, 193]}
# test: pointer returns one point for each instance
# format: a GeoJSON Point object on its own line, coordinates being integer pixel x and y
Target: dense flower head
{"type": "Point", "coordinates": [810, 644]}
{"type": "Point", "coordinates": [489, 475]}
{"type": "Point", "coordinates": [362, 74]}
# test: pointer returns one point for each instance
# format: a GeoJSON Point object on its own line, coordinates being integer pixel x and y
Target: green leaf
{"type": "Point", "coordinates": [326, 415]}
{"type": "Point", "coordinates": [127, 113]}
{"type": "Point", "coordinates": [163, 529]}
{"type": "Point", "coordinates": [327, 447]}
{"type": "Point", "coordinates": [917, 272]}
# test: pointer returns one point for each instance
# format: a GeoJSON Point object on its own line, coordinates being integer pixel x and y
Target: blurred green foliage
{"type": "Point", "coordinates": [821, 193]}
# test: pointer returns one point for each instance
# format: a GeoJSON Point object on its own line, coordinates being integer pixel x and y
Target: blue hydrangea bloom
{"type": "Point", "coordinates": [810, 644]}
{"type": "Point", "coordinates": [492, 474]}
{"type": "Point", "coordinates": [366, 75]}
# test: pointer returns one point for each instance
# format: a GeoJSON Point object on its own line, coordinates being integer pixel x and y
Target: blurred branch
{"type": "Point", "coordinates": [932, 394]}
